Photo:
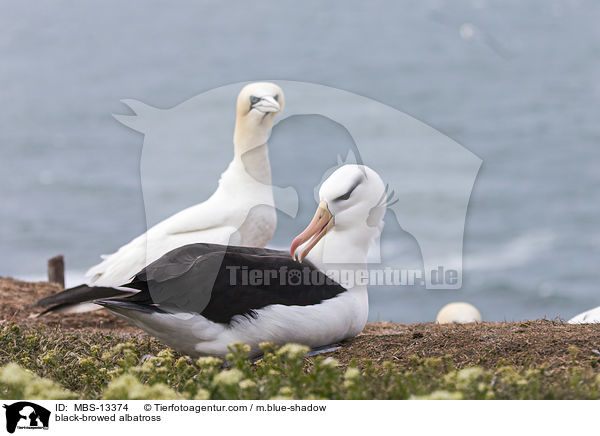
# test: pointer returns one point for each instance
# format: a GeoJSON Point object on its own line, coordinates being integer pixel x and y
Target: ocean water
{"type": "Point", "coordinates": [517, 84]}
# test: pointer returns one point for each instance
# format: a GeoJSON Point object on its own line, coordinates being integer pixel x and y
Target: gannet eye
{"type": "Point", "coordinates": [254, 100]}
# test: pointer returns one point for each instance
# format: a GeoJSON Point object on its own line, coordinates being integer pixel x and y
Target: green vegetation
{"type": "Point", "coordinates": [42, 363]}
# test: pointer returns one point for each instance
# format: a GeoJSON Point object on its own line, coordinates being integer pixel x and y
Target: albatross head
{"type": "Point", "coordinates": [257, 105]}
{"type": "Point", "coordinates": [352, 205]}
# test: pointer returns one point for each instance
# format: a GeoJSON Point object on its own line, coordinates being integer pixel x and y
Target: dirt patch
{"type": "Point", "coordinates": [17, 298]}
{"type": "Point", "coordinates": [555, 344]}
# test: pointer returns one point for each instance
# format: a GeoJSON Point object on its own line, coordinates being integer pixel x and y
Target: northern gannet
{"type": "Point", "coordinates": [240, 212]}
{"type": "Point", "coordinates": [259, 294]}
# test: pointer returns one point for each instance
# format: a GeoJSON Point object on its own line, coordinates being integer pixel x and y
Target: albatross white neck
{"type": "Point", "coordinates": [345, 248]}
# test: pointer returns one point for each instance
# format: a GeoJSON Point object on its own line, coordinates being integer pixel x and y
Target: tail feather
{"type": "Point", "coordinates": [69, 308]}
{"type": "Point", "coordinates": [78, 299]}
{"type": "Point", "coordinates": [128, 305]}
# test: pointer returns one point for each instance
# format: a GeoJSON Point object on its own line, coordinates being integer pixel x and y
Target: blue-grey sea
{"type": "Point", "coordinates": [516, 83]}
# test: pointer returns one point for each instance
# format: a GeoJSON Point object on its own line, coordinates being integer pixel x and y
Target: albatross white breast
{"type": "Point", "coordinates": [200, 298]}
{"type": "Point", "coordinates": [240, 212]}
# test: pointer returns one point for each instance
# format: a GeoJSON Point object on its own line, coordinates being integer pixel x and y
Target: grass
{"type": "Point", "coordinates": [96, 355]}
{"type": "Point", "coordinates": [40, 362]}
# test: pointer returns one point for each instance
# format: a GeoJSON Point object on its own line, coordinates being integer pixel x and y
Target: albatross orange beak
{"type": "Point", "coordinates": [321, 223]}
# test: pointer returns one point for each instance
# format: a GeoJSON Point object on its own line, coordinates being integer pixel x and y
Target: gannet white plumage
{"type": "Point", "coordinates": [240, 211]}
{"type": "Point", "coordinates": [588, 317]}
{"type": "Point", "coordinates": [177, 305]}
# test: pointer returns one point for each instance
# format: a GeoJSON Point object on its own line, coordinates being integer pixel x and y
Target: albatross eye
{"type": "Point", "coordinates": [276, 98]}
{"type": "Point", "coordinates": [346, 196]}
{"type": "Point", "coordinates": [254, 100]}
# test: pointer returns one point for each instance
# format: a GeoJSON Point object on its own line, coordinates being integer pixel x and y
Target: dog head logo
{"type": "Point", "coordinates": [26, 415]}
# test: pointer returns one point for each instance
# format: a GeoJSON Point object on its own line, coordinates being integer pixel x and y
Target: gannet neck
{"type": "Point", "coordinates": [251, 132]}
{"type": "Point", "coordinates": [257, 105]}
{"type": "Point", "coordinates": [256, 163]}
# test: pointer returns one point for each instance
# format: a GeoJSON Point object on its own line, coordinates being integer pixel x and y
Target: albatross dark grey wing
{"type": "Point", "coordinates": [216, 281]}
{"type": "Point", "coordinates": [220, 282]}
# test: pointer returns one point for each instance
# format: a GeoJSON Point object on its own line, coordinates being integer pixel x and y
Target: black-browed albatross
{"type": "Point", "coordinates": [177, 305]}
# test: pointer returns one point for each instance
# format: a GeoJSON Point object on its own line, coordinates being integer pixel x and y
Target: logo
{"type": "Point", "coordinates": [26, 415]}
{"type": "Point", "coordinates": [430, 174]}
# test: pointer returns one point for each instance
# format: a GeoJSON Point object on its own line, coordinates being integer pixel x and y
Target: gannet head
{"type": "Point", "coordinates": [257, 105]}
{"type": "Point", "coordinates": [352, 199]}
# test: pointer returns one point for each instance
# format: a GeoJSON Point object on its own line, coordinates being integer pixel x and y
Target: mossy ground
{"type": "Point", "coordinates": [97, 356]}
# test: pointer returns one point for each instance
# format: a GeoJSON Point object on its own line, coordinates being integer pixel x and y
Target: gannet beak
{"type": "Point", "coordinates": [321, 223]}
{"type": "Point", "coordinates": [267, 104]}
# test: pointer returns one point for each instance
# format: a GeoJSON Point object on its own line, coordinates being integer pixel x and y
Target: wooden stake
{"type": "Point", "coordinates": [56, 270]}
